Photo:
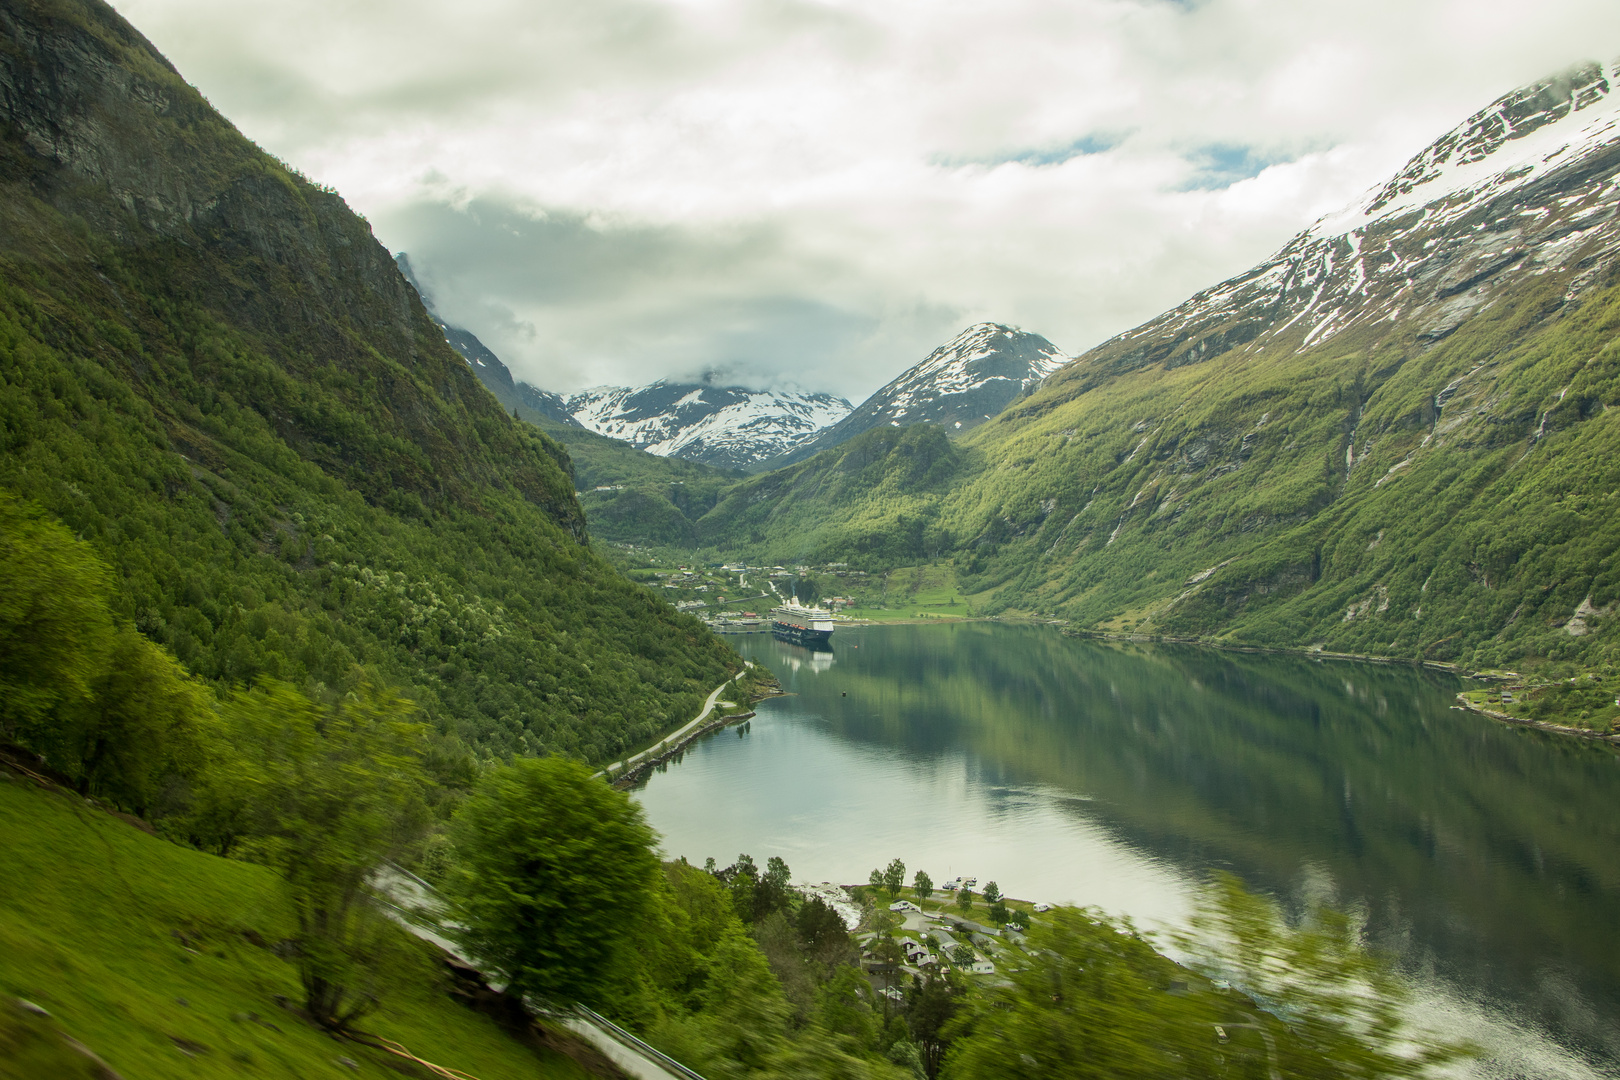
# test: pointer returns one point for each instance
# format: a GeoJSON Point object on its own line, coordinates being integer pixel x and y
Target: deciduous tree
{"type": "Point", "coordinates": [894, 878]}
{"type": "Point", "coordinates": [923, 884]}
{"type": "Point", "coordinates": [337, 794]}
{"type": "Point", "coordinates": [55, 628]}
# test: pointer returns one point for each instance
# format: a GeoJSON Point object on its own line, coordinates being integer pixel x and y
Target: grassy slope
{"type": "Point", "coordinates": [89, 913]}
{"type": "Point", "coordinates": [211, 370]}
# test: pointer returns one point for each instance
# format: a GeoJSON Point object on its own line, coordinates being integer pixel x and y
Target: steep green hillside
{"type": "Point", "coordinates": [211, 370]}
{"type": "Point", "coordinates": [161, 961]}
{"type": "Point", "coordinates": [875, 499]}
{"type": "Point", "coordinates": [1396, 436]}
{"type": "Point", "coordinates": [1317, 496]}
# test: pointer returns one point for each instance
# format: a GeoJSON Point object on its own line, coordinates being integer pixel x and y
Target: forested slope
{"type": "Point", "coordinates": [211, 370]}
{"type": "Point", "coordinates": [632, 496]}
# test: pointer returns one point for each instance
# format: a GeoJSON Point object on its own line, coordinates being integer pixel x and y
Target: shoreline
{"type": "Point", "coordinates": [1540, 725]}
{"type": "Point", "coordinates": [1321, 654]}
{"type": "Point", "coordinates": [710, 703]}
{"type": "Point", "coordinates": [637, 772]}
{"type": "Point", "coordinates": [1279, 650]}
{"type": "Point", "coordinates": [632, 768]}
{"type": "Point", "coordinates": [1274, 650]}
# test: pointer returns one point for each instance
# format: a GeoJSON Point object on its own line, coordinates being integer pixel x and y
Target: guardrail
{"type": "Point", "coordinates": [637, 1045]}
{"type": "Point", "coordinates": [410, 916]}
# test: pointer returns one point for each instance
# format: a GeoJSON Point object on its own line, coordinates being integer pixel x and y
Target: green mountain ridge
{"type": "Point", "coordinates": [212, 371]}
{"type": "Point", "coordinates": [1396, 439]}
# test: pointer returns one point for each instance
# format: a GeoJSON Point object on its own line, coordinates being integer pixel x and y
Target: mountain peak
{"type": "Point", "coordinates": [987, 350]}
{"type": "Point", "coordinates": [1517, 138]}
{"type": "Point", "coordinates": [959, 385]}
{"type": "Point", "coordinates": [1524, 186]}
{"type": "Point", "coordinates": [724, 426]}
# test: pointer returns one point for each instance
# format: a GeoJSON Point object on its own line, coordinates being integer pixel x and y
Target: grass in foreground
{"type": "Point", "coordinates": [160, 960]}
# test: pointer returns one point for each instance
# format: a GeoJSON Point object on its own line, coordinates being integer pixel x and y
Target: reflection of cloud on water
{"type": "Point", "coordinates": [834, 809]}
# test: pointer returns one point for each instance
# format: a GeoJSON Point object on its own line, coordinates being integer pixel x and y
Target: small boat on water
{"type": "Point", "coordinates": [802, 625]}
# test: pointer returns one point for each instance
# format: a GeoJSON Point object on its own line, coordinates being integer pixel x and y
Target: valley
{"type": "Point", "coordinates": [304, 592]}
{"type": "Point", "coordinates": [1395, 438]}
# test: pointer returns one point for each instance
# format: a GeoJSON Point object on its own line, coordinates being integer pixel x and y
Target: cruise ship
{"type": "Point", "coordinates": [802, 625]}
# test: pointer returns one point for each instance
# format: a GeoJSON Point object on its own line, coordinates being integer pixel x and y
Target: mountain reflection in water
{"type": "Point", "coordinates": [1118, 775]}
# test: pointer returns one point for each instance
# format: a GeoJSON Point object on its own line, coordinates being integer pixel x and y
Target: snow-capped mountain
{"type": "Point", "coordinates": [497, 377]}
{"type": "Point", "coordinates": [727, 427]}
{"type": "Point", "coordinates": [961, 384]}
{"type": "Point", "coordinates": [1525, 186]}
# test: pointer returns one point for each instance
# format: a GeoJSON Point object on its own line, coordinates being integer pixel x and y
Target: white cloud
{"type": "Point", "coordinates": [816, 193]}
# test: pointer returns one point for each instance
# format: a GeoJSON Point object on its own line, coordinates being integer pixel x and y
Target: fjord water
{"type": "Point", "coordinates": [1070, 770]}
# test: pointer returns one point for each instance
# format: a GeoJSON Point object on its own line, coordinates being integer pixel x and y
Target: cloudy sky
{"type": "Point", "coordinates": [815, 193]}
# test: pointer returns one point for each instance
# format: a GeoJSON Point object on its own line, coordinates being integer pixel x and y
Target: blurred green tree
{"type": "Point", "coordinates": [1344, 1003]}
{"type": "Point", "coordinates": [55, 627]}
{"type": "Point", "coordinates": [336, 793]}
{"type": "Point", "coordinates": [554, 870]}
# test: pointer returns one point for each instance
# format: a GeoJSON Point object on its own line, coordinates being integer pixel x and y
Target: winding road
{"type": "Point", "coordinates": [676, 736]}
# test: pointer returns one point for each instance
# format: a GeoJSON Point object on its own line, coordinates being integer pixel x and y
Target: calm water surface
{"type": "Point", "coordinates": [1084, 772]}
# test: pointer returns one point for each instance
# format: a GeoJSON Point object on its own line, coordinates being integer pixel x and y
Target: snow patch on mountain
{"type": "Point", "coordinates": [729, 427]}
{"type": "Point", "coordinates": [1527, 185]}
{"type": "Point", "coordinates": [976, 359]}
{"type": "Point", "coordinates": [1517, 139]}
{"type": "Point", "coordinates": [959, 385]}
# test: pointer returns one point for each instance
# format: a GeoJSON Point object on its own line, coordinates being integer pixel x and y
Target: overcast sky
{"type": "Point", "coordinates": [815, 193]}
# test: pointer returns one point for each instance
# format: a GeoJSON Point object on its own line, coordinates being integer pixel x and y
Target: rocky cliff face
{"type": "Point", "coordinates": [959, 385]}
{"type": "Point", "coordinates": [100, 128]}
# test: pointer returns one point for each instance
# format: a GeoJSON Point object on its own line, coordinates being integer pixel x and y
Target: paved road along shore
{"type": "Point", "coordinates": [675, 736]}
